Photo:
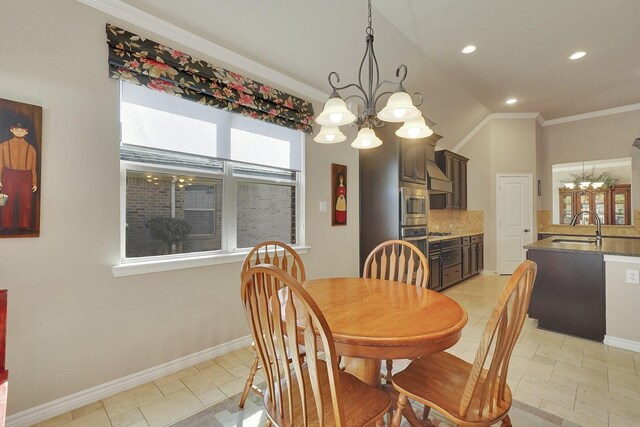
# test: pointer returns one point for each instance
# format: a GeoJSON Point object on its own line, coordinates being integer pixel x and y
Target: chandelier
{"type": "Point", "coordinates": [584, 181]}
{"type": "Point", "coordinates": [399, 107]}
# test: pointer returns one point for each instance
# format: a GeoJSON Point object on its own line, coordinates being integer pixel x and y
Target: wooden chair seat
{"type": "Point", "coordinates": [353, 393]}
{"type": "Point", "coordinates": [439, 381]}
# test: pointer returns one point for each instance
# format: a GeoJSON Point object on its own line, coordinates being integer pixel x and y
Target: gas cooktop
{"type": "Point", "coordinates": [438, 233]}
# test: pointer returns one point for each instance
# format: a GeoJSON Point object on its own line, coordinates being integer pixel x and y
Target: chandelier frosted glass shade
{"type": "Point", "coordinates": [597, 185]}
{"type": "Point", "coordinates": [399, 108]}
{"type": "Point", "coordinates": [414, 129]}
{"type": "Point", "coordinates": [335, 113]}
{"type": "Point", "coordinates": [569, 185]}
{"type": "Point", "coordinates": [330, 135]}
{"type": "Point", "coordinates": [366, 139]}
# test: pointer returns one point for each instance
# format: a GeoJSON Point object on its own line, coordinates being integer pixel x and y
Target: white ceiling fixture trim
{"type": "Point", "coordinates": [172, 32]}
{"type": "Point", "coordinates": [591, 115]}
{"type": "Point", "coordinates": [496, 116]}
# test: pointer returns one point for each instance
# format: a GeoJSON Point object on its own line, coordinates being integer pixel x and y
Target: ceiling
{"type": "Point", "coordinates": [523, 49]}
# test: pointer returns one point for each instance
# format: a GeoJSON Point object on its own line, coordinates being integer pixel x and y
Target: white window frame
{"type": "Point", "coordinates": [228, 252]}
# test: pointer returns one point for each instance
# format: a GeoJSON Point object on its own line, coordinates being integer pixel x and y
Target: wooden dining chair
{"type": "Point", "coordinates": [399, 261]}
{"type": "Point", "coordinates": [313, 392]}
{"type": "Point", "coordinates": [283, 256]}
{"type": "Point", "coordinates": [470, 394]}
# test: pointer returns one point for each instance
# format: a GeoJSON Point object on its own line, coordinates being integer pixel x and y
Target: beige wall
{"type": "Point", "coordinates": [606, 137]}
{"type": "Point", "coordinates": [623, 300]}
{"type": "Point", "coordinates": [501, 146]}
{"type": "Point", "coordinates": [72, 325]}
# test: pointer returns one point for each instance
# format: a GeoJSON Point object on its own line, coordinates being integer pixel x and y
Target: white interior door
{"type": "Point", "coordinates": [515, 219]}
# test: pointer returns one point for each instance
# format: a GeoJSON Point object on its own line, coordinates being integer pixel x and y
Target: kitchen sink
{"type": "Point", "coordinates": [584, 242]}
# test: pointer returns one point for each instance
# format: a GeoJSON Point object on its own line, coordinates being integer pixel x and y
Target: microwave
{"type": "Point", "coordinates": [414, 205]}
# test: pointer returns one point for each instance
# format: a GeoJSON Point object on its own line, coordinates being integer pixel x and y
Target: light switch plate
{"type": "Point", "coordinates": [323, 206]}
{"type": "Point", "coordinates": [633, 276]}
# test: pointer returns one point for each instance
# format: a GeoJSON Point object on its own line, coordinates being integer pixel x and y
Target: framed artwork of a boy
{"type": "Point", "coordinates": [20, 160]}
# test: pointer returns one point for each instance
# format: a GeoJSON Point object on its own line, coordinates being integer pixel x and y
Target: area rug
{"type": "Point", "coordinates": [227, 414]}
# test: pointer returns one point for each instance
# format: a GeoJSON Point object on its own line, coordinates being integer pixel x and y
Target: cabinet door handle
{"type": "Point", "coordinates": [526, 230]}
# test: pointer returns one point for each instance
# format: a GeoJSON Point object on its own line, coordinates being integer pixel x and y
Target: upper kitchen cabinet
{"type": "Point", "coordinates": [455, 167]}
{"type": "Point", "coordinates": [413, 161]}
{"type": "Point", "coordinates": [612, 205]}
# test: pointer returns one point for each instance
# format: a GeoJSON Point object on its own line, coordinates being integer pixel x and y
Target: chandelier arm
{"type": "Point", "coordinates": [338, 88]}
{"type": "Point", "coordinates": [372, 62]}
{"type": "Point", "coordinates": [402, 68]}
{"type": "Point", "coordinates": [337, 77]}
{"type": "Point", "coordinates": [382, 94]}
{"type": "Point", "coordinates": [354, 96]}
{"type": "Point", "coordinates": [420, 97]}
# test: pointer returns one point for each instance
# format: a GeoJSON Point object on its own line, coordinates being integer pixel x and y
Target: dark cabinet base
{"type": "Point", "coordinates": [454, 260]}
{"type": "Point", "coordinates": [569, 293]}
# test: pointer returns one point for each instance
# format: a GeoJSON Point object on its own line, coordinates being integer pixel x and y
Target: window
{"type": "Point", "coordinates": [200, 180]}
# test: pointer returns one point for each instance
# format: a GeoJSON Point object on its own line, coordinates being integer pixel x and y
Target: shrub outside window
{"type": "Point", "coordinates": [199, 180]}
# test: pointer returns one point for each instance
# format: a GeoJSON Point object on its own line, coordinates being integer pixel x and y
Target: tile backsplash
{"type": "Point", "coordinates": [456, 221]}
{"type": "Point", "coordinates": [545, 226]}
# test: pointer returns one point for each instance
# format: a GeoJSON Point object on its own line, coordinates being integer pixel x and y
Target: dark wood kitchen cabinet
{"type": "Point", "coordinates": [453, 260]}
{"type": "Point", "coordinates": [383, 171]}
{"type": "Point", "coordinates": [413, 161]}
{"type": "Point", "coordinates": [477, 254]}
{"type": "Point", "coordinates": [611, 204]}
{"type": "Point", "coordinates": [568, 295]}
{"type": "Point", "coordinates": [455, 167]}
{"type": "Point", "coordinates": [466, 257]}
{"type": "Point", "coordinates": [435, 268]}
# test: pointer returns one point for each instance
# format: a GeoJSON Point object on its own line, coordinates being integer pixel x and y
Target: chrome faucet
{"type": "Point", "coordinates": [598, 224]}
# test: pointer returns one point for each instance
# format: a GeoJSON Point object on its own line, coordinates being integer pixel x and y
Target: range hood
{"type": "Point", "coordinates": [437, 181]}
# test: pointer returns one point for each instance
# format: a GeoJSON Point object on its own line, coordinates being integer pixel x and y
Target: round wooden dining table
{"type": "Point", "coordinates": [373, 319]}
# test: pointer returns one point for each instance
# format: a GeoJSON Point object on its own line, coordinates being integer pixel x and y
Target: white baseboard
{"type": "Point", "coordinates": [622, 343]}
{"type": "Point", "coordinates": [84, 397]}
{"type": "Point", "coordinates": [489, 273]}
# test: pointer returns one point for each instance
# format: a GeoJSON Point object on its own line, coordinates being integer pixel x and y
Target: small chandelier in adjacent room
{"type": "Point", "coordinates": [584, 182]}
{"type": "Point", "coordinates": [399, 108]}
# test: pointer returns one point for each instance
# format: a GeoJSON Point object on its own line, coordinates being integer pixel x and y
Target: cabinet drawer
{"type": "Point", "coordinates": [466, 240]}
{"type": "Point", "coordinates": [477, 239]}
{"type": "Point", "coordinates": [451, 243]}
{"type": "Point", "coordinates": [435, 247]}
{"type": "Point", "coordinates": [451, 275]}
{"type": "Point", "coordinates": [451, 257]}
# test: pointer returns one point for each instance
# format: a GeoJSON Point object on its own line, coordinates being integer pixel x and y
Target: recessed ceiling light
{"type": "Point", "coordinates": [511, 101]}
{"type": "Point", "coordinates": [469, 49]}
{"type": "Point", "coordinates": [578, 55]}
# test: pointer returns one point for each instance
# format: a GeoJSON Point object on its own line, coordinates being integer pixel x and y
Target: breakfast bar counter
{"type": "Point", "coordinates": [587, 244]}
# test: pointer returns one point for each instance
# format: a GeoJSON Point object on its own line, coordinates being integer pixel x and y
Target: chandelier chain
{"type": "Point", "coordinates": [369, 29]}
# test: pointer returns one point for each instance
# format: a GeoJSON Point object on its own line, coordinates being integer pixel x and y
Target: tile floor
{"type": "Point", "coordinates": [583, 382]}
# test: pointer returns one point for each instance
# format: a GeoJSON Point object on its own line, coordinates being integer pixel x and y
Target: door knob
{"type": "Point", "coordinates": [526, 230]}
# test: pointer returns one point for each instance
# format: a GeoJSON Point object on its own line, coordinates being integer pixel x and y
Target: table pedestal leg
{"type": "Point", "coordinates": [367, 370]}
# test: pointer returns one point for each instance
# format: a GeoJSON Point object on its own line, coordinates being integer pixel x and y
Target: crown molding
{"type": "Point", "coordinates": [591, 115]}
{"type": "Point", "coordinates": [155, 25]}
{"type": "Point", "coordinates": [496, 116]}
{"type": "Point", "coordinates": [542, 122]}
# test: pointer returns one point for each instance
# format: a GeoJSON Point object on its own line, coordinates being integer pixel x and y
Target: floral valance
{"type": "Point", "coordinates": [144, 62]}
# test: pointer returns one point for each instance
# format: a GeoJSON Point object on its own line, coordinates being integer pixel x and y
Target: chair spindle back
{"type": "Point", "coordinates": [274, 304]}
{"type": "Point", "coordinates": [399, 261]}
{"type": "Point", "coordinates": [276, 253]}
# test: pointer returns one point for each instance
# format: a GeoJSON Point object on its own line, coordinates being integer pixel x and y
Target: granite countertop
{"type": "Point", "coordinates": [451, 236]}
{"type": "Point", "coordinates": [610, 245]}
